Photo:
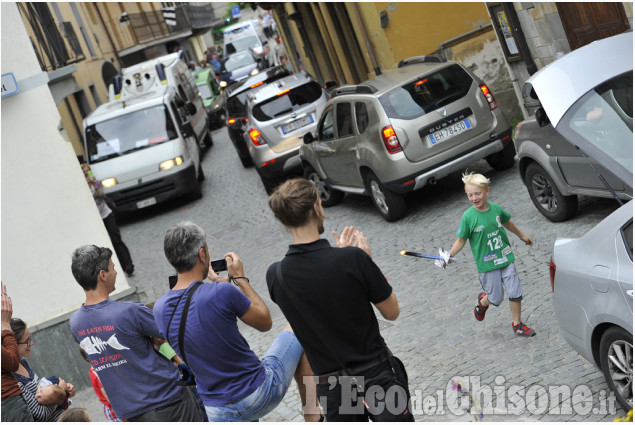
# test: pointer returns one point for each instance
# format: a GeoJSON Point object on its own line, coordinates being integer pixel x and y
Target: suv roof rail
{"type": "Point", "coordinates": [362, 88]}
{"type": "Point", "coordinates": [421, 59]}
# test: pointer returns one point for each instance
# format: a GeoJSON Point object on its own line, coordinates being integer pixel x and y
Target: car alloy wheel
{"type": "Point", "coordinates": [616, 358]}
{"type": "Point", "coordinates": [546, 196]}
{"type": "Point", "coordinates": [391, 205]}
{"type": "Point", "coordinates": [329, 196]}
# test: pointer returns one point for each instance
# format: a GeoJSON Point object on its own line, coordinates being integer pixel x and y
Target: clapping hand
{"type": "Point", "coordinates": [352, 237]}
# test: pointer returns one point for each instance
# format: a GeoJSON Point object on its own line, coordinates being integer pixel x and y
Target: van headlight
{"type": "Point", "coordinates": [110, 182]}
{"type": "Point", "coordinates": [166, 165]}
{"type": "Point", "coordinates": [223, 83]}
{"type": "Point", "coordinates": [254, 72]}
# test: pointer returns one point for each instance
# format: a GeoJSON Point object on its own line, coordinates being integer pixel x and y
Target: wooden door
{"type": "Point", "coordinates": [587, 22]}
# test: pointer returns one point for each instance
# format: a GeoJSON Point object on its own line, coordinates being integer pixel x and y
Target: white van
{"type": "Point", "coordinates": [165, 70]}
{"type": "Point", "coordinates": [244, 36]}
{"type": "Point", "coordinates": [142, 149]}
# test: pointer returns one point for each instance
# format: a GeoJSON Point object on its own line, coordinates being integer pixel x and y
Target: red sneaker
{"type": "Point", "coordinates": [522, 330]}
{"type": "Point", "coordinates": [479, 310]}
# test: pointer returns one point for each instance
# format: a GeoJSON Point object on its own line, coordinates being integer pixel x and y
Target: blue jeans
{"type": "Point", "coordinates": [280, 364]}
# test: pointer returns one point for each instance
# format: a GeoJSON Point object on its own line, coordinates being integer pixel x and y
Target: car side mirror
{"type": "Point", "coordinates": [308, 138]}
{"type": "Point", "coordinates": [187, 130]}
{"type": "Point", "coordinates": [330, 85]}
{"type": "Point", "coordinates": [190, 108]}
{"type": "Point", "coordinates": [541, 117]}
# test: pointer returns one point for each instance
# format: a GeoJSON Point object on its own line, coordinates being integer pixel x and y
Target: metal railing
{"type": "Point", "coordinates": [143, 27]}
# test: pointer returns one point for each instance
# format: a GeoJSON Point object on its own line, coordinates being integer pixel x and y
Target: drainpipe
{"type": "Point", "coordinates": [467, 34]}
{"type": "Point", "coordinates": [103, 23]}
{"type": "Point", "coordinates": [369, 47]}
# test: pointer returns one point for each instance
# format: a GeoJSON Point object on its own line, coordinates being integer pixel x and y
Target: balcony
{"type": "Point", "coordinates": [146, 28]}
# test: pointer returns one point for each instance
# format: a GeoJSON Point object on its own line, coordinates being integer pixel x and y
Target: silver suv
{"type": "Point", "coordinates": [403, 129]}
{"type": "Point", "coordinates": [278, 115]}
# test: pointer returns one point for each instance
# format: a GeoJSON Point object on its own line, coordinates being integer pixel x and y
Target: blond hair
{"type": "Point", "coordinates": [475, 179]}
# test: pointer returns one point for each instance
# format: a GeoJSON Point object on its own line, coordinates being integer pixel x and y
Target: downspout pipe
{"type": "Point", "coordinates": [103, 23]}
{"type": "Point", "coordinates": [460, 37]}
{"type": "Point", "coordinates": [369, 47]}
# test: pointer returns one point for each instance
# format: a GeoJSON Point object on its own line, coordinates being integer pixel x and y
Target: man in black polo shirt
{"type": "Point", "coordinates": [333, 292]}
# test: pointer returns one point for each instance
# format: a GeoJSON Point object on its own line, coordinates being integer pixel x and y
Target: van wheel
{"type": "Point", "coordinates": [196, 193]}
{"type": "Point", "coordinates": [201, 174]}
{"type": "Point", "coordinates": [504, 159]}
{"type": "Point", "coordinates": [330, 197]}
{"type": "Point", "coordinates": [616, 359]}
{"type": "Point", "coordinates": [546, 197]}
{"type": "Point", "coordinates": [390, 205]}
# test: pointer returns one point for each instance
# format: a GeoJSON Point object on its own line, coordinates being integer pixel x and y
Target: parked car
{"type": "Point", "coordinates": [592, 282]}
{"type": "Point", "coordinates": [236, 107]}
{"type": "Point", "coordinates": [594, 106]}
{"type": "Point", "coordinates": [404, 129]}
{"type": "Point", "coordinates": [209, 90]}
{"type": "Point", "coordinates": [278, 115]}
{"type": "Point", "coordinates": [239, 66]}
{"type": "Point", "coordinates": [592, 277]}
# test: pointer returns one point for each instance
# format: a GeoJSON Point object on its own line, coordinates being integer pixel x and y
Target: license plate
{"type": "Point", "coordinates": [294, 125]}
{"type": "Point", "coordinates": [450, 131]}
{"type": "Point", "coordinates": [146, 203]}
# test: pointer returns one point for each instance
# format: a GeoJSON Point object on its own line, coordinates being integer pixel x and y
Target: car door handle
{"type": "Point", "coordinates": [324, 149]}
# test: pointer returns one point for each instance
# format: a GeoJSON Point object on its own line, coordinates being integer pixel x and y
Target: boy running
{"type": "Point", "coordinates": [484, 226]}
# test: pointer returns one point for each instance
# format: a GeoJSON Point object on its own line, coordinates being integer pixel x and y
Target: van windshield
{"type": "Point", "coordinates": [130, 132]}
{"type": "Point", "coordinates": [241, 44]}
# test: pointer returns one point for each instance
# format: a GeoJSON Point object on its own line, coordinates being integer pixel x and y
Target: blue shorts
{"type": "Point", "coordinates": [280, 362]}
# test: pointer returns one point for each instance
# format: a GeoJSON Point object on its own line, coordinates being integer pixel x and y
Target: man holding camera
{"type": "Point", "coordinates": [232, 382]}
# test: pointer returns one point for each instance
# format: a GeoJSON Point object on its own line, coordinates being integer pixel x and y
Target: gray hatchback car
{"type": "Point", "coordinates": [403, 129]}
{"type": "Point", "coordinates": [278, 115]}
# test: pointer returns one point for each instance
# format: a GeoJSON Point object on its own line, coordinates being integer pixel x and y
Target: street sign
{"type": "Point", "coordinates": [169, 15]}
{"type": "Point", "coordinates": [235, 10]}
{"type": "Point", "coordinates": [9, 85]}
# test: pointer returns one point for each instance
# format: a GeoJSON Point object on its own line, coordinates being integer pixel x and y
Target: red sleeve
{"type": "Point", "coordinates": [10, 356]}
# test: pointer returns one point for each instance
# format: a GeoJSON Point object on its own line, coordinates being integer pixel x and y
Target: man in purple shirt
{"type": "Point", "coordinates": [232, 382]}
{"type": "Point", "coordinates": [140, 382]}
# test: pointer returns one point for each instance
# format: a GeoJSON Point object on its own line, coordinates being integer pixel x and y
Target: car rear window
{"type": "Point", "coordinates": [236, 103]}
{"type": "Point", "coordinates": [285, 103]}
{"type": "Point", "coordinates": [427, 93]}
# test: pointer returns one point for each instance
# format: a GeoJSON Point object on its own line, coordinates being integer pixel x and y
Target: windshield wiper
{"type": "Point", "coordinates": [283, 112]}
{"type": "Point", "coordinates": [103, 158]}
{"type": "Point", "coordinates": [602, 179]}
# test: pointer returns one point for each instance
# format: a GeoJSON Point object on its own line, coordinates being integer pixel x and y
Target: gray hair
{"type": "Point", "coordinates": [182, 243]}
{"type": "Point", "coordinates": [87, 262]}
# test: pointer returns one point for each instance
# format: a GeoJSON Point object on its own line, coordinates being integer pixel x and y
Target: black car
{"type": "Point", "coordinates": [236, 107]}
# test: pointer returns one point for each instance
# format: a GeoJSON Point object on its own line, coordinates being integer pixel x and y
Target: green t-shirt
{"type": "Point", "coordinates": [487, 236]}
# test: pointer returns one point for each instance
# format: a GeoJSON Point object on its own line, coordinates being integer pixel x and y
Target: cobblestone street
{"type": "Point", "coordinates": [436, 334]}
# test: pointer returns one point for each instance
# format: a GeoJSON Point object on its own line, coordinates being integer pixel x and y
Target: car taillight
{"type": "Point", "coordinates": [390, 140]}
{"type": "Point", "coordinates": [231, 121]}
{"type": "Point", "coordinates": [552, 273]}
{"type": "Point", "coordinates": [256, 138]}
{"type": "Point", "coordinates": [489, 97]}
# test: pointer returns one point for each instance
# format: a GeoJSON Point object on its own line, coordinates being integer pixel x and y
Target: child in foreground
{"type": "Point", "coordinates": [484, 226]}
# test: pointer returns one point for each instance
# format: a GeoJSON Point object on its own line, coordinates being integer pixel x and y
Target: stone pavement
{"type": "Point", "coordinates": [436, 334]}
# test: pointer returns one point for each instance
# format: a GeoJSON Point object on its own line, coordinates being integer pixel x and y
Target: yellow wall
{"type": "Point", "coordinates": [418, 28]}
